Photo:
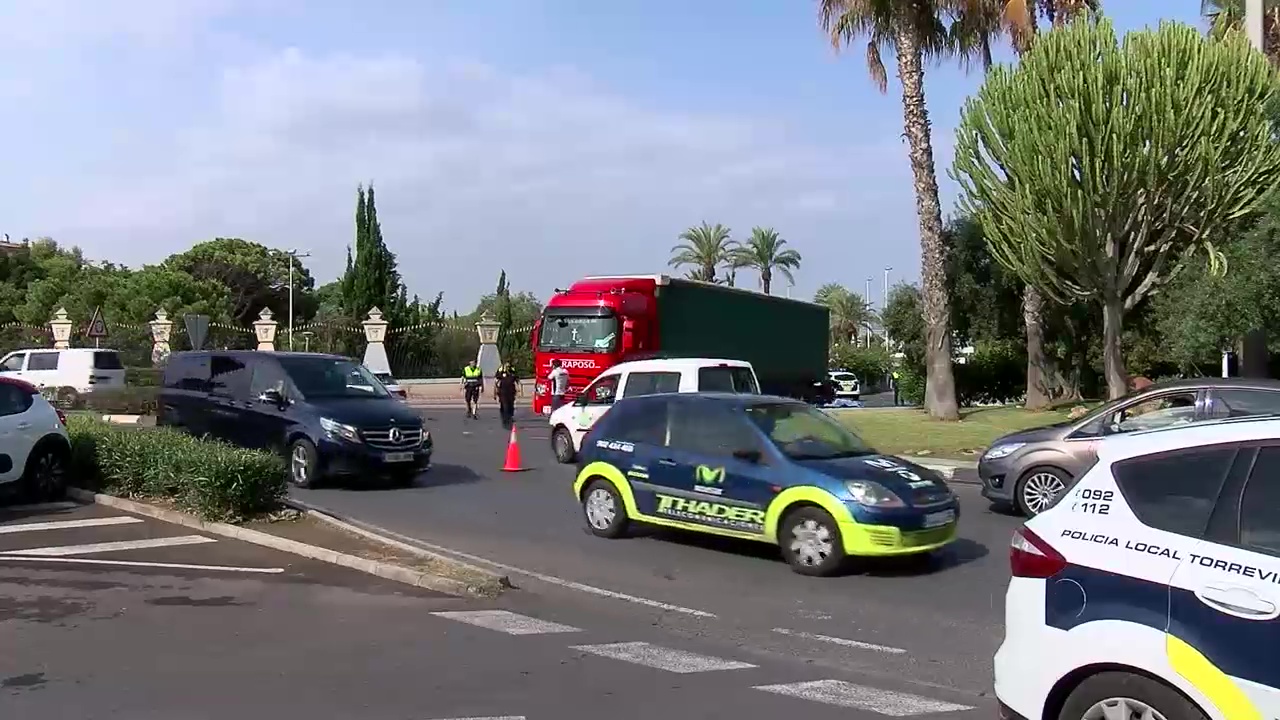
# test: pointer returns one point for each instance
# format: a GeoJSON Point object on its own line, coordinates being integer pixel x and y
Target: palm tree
{"type": "Point", "coordinates": [914, 31]}
{"type": "Point", "coordinates": [706, 247]}
{"type": "Point", "coordinates": [849, 311]}
{"type": "Point", "coordinates": [764, 253]}
{"type": "Point", "coordinates": [978, 25]}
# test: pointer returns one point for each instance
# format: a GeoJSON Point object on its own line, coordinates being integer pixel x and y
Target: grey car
{"type": "Point", "coordinates": [1026, 470]}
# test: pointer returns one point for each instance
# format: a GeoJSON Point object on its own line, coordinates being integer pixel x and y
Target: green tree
{"type": "Point", "coordinates": [903, 319]}
{"type": "Point", "coordinates": [254, 275]}
{"type": "Point", "coordinates": [373, 280]}
{"type": "Point", "coordinates": [1137, 199]}
{"type": "Point", "coordinates": [985, 297]}
{"type": "Point", "coordinates": [705, 248]}
{"type": "Point", "coordinates": [764, 252]}
{"type": "Point", "coordinates": [850, 313]}
{"type": "Point", "coordinates": [913, 31]}
{"type": "Point", "coordinates": [1227, 16]}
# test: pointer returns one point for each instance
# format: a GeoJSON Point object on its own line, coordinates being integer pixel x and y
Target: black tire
{"type": "Point", "coordinates": [562, 446]}
{"type": "Point", "coordinates": [297, 451]}
{"type": "Point", "coordinates": [1115, 685]}
{"type": "Point", "coordinates": [803, 521]}
{"type": "Point", "coordinates": [44, 479]}
{"type": "Point", "coordinates": [618, 524]}
{"type": "Point", "coordinates": [1030, 507]}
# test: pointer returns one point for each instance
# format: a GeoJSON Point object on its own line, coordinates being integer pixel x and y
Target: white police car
{"type": "Point", "coordinates": [1151, 588]}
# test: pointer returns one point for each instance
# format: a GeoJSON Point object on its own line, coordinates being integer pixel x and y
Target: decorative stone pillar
{"type": "Point", "coordinates": [375, 352]}
{"type": "Point", "coordinates": [161, 331]}
{"type": "Point", "coordinates": [488, 357]}
{"type": "Point", "coordinates": [61, 327]}
{"type": "Point", "coordinates": [265, 330]}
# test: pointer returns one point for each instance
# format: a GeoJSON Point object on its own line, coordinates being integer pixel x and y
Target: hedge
{"type": "Point", "coordinates": [107, 401]}
{"type": "Point", "coordinates": [210, 479]}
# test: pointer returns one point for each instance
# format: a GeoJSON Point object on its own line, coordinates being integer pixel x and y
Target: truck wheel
{"type": "Point", "coordinates": [562, 445]}
{"type": "Point", "coordinates": [810, 542]}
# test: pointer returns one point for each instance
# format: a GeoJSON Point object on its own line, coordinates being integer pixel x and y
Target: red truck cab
{"type": "Point", "coordinates": [593, 325]}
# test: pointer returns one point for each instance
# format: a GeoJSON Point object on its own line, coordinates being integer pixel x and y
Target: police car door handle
{"type": "Point", "coordinates": [1237, 601]}
{"type": "Point", "coordinates": [666, 461]}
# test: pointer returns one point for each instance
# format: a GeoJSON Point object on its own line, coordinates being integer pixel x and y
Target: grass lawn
{"type": "Point", "coordinates": [901, 431]}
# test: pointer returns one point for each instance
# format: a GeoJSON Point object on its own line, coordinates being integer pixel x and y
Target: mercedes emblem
{"type": "Point", "coordinates": [395, 435]}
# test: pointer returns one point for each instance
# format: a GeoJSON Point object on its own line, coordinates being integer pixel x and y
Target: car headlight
{"type": "Point", "coordinates": [871, 494]}
{"type": "Point", "coordinates": [338, 430]}
{"type": "Point", "coordinates": [1002, 450]}
{"type": "Point", "coordinates": [426, 437]}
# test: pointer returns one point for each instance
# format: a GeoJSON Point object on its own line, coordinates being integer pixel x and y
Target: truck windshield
{"type": "Point", "coordinates": [572, 333]}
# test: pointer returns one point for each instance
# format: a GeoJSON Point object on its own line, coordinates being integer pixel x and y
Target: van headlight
{"type": "Point", "coordinates": [335, 429]}
{"type": "Point", "coordinates": [872, 494]}
{"type": "Point", "coordinates": [1002, 450]}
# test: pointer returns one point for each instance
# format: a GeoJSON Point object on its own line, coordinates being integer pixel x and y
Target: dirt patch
{"type": "Point", "coordinates": [294, 525]}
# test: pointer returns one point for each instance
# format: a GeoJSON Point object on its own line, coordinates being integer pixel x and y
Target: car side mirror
{"type": "Point", "coordinates": [751, 456]}
{"type": "Point", "coordinates": [271, 397]}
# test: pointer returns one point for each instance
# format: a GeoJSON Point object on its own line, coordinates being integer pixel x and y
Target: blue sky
{"type": "Point", "coordinates": [555, 138]}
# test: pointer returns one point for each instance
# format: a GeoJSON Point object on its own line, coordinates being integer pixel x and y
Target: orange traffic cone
{"type": "Point", "coordinates": [513, 455]}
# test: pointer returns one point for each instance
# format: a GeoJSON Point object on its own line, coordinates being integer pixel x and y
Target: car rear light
{"type": "Point", "coordinates": [1032, 557]}
{"type": "Point", "coordinates": [62, 417]}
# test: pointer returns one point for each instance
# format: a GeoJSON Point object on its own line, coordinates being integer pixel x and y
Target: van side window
{"type": "Point", "coordinates": [266, 376]}
{"type": "Point", "coordinates": [13, 363]}
{"type": "Point", "coordinates": [651, 383]}
{"type": "Point", "coordinates": [228, 376]}
{"type": "Point", "coordinates": [187, 372]}
{"type": "Point", "coordinates": [107, 360]}
{"type": "Point", "coordinates": [43, 361]}
{"type": "Point", "coordinates": [727, 379]}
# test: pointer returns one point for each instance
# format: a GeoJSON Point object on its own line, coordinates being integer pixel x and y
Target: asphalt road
{"type": "Point", "coordinates": [936, 623]}
{"type": "Point", "coordinates": [212, 640]}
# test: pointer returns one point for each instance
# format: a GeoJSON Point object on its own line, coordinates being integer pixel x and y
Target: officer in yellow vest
{"type": "Point", "coordinates": [472, 385]}
{"type": "Point", "coordinates": [896, 377]}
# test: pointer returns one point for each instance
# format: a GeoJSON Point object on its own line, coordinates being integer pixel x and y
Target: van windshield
{"type": "Point", "coordinates": [322, 377]}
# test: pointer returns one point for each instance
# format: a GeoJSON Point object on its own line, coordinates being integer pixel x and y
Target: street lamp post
{"type": "Point", "coordinates": [884, 305]}
{"type": "Point", "coordinates": [866, 303]}
{"type": "Point", "coordinates": [1253, 23]}
{"type": "Point", "coordinates": [293, 259]}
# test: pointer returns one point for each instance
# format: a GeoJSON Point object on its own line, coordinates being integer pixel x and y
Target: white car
{"type": "Point", "coordinates": [570, 423]}
{"type": "Point", "coordinates": [34, 448]}
{"type": "Point", "coordinates": [392, 386]}
{"type": "Point", "coordinates": [84, 369]}
{"type": "Point", "coordinates": [847, 385]}
{"type": "Point", "coordinates": [1151, 587]}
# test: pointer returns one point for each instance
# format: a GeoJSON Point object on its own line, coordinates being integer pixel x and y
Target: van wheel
{"type": "Point", "coordinates": [562, 445]}
{"type": "Point", "coordinates": [604, 510]}
{"type": "Point", "coordinates": [303, 466]}
{"type": "Point", "coordinates": [45, 477]}
{"type": "Point", "coordinates": [1037, 488]}
{"type": "Point", "coordinates": [810, 542]}
{"type": "Point", "coordinates": [1120, 694]}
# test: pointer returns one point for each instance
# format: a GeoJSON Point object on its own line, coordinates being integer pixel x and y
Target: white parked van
{"type": "Point", "coordinates": [570, 423]}
{"type": "Point", "coordinates": [84, 369]}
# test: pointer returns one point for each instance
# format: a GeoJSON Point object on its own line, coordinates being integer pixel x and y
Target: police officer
{"type": "Point", "coordinates": [506, 386]}
{"type": "Point", "coordinates": [894, 382]}
{"type": "Point", "coordinates": [472, 385]}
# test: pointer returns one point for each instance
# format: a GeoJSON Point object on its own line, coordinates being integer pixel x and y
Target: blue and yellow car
{"type": "Point", "coordinates": [761, 468]}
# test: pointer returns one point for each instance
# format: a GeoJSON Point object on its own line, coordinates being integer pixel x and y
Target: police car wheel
{"type": "Point", "coordinates": [810, 542]}
{"type": "Point", "coordinates": [1037, 488]}
{"type": "Point", "coordinates": [604, 511]}
{"type": "Point", "coordinates": [1127, 695]}
{"type": "Point", "coordinates": [562, 445]}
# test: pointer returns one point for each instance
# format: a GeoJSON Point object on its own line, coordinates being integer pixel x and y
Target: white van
{"type": "Point", "coordinates": [570, 423]}
{"type": "Point", "coordinates": [84, 369]}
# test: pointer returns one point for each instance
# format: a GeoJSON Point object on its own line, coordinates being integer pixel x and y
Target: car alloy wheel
{"type": "Point", "coordinates": [47, 475]}
{"type": "Point", "coordinates": [1039, 490]}
{"type": "Point", "coordinates": [1122, 707]}
{"type": "Point", "coordinates": [604, 511]}
{"type": "Point", "coordinates": [562, 445]}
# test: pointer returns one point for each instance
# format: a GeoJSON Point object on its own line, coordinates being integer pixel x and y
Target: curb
{"type": "Point", "coordinates": [382, 535]}
{"type": "Point", "coordinates": [383, 570]}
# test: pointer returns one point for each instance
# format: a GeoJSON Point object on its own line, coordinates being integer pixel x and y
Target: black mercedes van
{"type": "Point", "coordinates": [327, 415]}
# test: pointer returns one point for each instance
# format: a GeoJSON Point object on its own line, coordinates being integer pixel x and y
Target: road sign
{"type": "Point", "coordinates": [97, 326]}
{"type": "Point", "coordinates": [197, 330]}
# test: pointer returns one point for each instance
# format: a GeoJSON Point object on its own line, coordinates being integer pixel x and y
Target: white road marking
{"type": "Point", "coordinates": [507, 622]}
{"type": "Point", "coordinates": [660, 658]}
{"type": "Point", "coordinates": [66, 524]}
{"type": "Point", "coordinates": [41, 507]}
{"type": "Point", "coordinates": [63, 550]}
{"type": "Point", "coordinates": [490, 717]}
{"type": "Point", "coordinates": [841, 641]}
{"type": "Point", "coordinates": [848, 695]}
{"type": "Point", "coordinates": [138, 563]}
{"type": "Point", "coordinates": [549, 579]}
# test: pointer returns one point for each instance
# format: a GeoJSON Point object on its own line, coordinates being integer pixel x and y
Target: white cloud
{"type": "Point", "coordinates": [543, 173]}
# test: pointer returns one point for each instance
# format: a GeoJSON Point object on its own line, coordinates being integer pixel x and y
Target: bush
{"type": "Point", "coordinates": [911, 385]}
{"type": "Point", "coordinates": [212, 480]}
{"type": "Point", "coordinates": [114, 401]}
{"type": "Point", "coordinates": [870, 364]}
{"type": "Point", "coordinates": [143, 376]}
{"type": "Point", "coordinates": [995, 373]}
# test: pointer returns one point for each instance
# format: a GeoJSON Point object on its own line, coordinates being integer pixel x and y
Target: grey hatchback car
{"type": "Point", "coordinates": [1026, 470]}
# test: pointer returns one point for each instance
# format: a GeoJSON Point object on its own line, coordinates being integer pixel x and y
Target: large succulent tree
{"type": "Point", "coordinates": [1098, 166]}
